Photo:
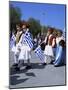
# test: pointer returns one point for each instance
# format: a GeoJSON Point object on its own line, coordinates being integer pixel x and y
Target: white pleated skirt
{"type": "Point", "coordinates": [48, 50]}
{"type": "Point", "coordinates": [25, 53]}
{"type": "Point", "coordinates": [15, 49]}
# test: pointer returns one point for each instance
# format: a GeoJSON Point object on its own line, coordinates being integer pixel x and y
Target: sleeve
{"type": "Point", "coordinates": [45, 39]}
{"type": "Point", "coordinates": [20, 41]}
{"type": "Point", "coordinates": [53, 42]}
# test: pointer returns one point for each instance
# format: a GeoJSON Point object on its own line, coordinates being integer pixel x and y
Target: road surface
{"type": "Point", "coordinates": [37, 76]}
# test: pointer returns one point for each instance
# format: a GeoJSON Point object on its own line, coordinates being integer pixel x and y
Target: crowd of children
{"type": "Point", "coordinates": [53, 47]}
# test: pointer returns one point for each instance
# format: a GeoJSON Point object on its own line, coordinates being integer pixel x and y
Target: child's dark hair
{"type": "Point", "coordinates": [50, 29]}
{"type": "Point", "coordinates": [62, 43]}
{"type": "Point", "coordinates": [24, 23]}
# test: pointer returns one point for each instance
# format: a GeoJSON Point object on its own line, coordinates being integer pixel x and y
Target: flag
{"type": "Point", "coordinates": [12, 41]}
{"type": "Point", "coordinates": [28, 35]}
{"type": "Point", "coordinates": [28, 39]}
{"type": "Point", "coordinates": [39, 53]}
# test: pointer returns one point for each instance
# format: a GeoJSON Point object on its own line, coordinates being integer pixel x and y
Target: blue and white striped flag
{"type": "Point", "coordinates": [28, 35]}
{"type": "Point", "coordinates": [39, 53]}
{"type": "Point", "coordinates": [12, 41]}
{"type": "Point", "coordinates": [28, 39]}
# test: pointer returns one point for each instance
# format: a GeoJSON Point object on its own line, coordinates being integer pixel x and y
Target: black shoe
{"type": "Point", "coordinates": [44, 64]}
{"type": "Point", "coordinates": [15, 64]}
{"type": "Point", "coordinates": [17, 69]}
{"type": "Point", "coordinates": [52, 62]}
{"type": "Point", "coordinates": [28, 67]}
{"type": "Point", "coordinates": [56, 65]}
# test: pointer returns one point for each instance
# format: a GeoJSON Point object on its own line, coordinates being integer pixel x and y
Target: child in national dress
{"type": "Point", "coordinates": [60, 58]}
{"type": "Point", "coordinates": [15, 44]}
{"type": "Point", "coordinates": [50, 43]}
{"type": "Point", "coordinates": [26, 44]}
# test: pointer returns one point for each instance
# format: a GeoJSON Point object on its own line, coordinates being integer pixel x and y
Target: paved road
{"type": "Point", "coordinates": [37, 76]}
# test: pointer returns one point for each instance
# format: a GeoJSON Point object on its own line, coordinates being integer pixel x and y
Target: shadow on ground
{"type": "Point", "coordinates": [14, 80]}
{"type": "Point", "coordinates": [33, 65]}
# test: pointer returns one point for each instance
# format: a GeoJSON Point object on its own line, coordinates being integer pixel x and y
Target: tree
{"type": "Point", "coordinates": [14, 16]}
{"type": "Point", "coordinates": [44, 30]}
{"type": "Point", "coordinates": [35, 26]}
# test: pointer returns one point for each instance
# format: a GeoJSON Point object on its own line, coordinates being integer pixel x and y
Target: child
{"type": "Point", "coordinates": [16, 46]}
{"type": "Point", "coordinates": [25, 53]}
{"type": "Point", "coordinates": [50, 43]}
{"type": "Point", "coordinates": [60, 50]}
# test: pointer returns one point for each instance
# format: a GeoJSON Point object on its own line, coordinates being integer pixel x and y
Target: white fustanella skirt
{"type": "Point", "coordinates": [25, 53]}
{"type": "Point", "coordinates": [48, 50]}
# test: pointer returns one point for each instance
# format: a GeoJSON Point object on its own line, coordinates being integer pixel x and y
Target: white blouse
{"type": "Point", "coordinates": [58, 39]}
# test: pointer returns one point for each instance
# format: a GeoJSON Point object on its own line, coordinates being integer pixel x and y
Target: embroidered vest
{"type": "Point", "coordinates": [18, 35]}
{"type": "Point", "coordinates": [50, 39]}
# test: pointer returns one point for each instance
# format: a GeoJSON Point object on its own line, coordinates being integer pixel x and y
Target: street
{"type": "Point", "coordinates": [38, 75]}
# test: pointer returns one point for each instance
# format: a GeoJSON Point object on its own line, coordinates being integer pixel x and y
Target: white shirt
{"type": "Point", "coordinates": [58, 39]}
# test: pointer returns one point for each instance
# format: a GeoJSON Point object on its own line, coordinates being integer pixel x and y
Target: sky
{"type": "Point", "coordinates": [49, 14]}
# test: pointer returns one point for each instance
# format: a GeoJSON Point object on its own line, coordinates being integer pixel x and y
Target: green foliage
{"type": "Point", "coordinates": [44, 29]}
{"type": "Point", "coordinates": [15, 16]}
{"type": "Point", "coordinates": [35, 26]}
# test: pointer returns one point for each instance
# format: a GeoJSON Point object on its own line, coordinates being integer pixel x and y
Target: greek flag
{"type": "Point", "coordinates": [39, 53]}
{"type": "Point", "coordinates": [12, 41]}
{"type": "Point", "coordinates": [28, 39]}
